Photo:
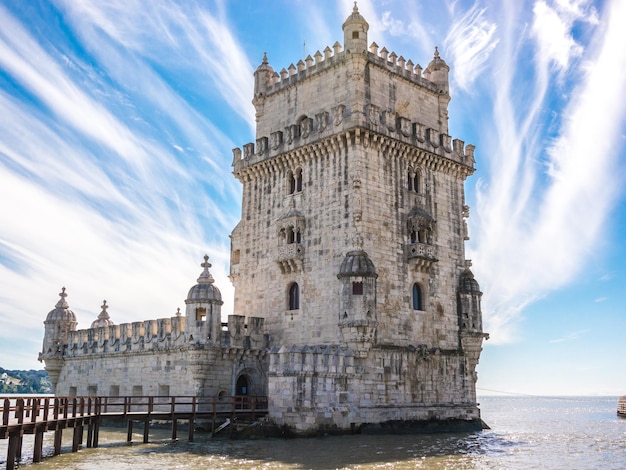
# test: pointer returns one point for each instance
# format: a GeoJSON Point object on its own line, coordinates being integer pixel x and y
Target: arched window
{"type": "Point", "coordinates": [416, 182]}
{"type": "Point", "coordinates": [294, 296]}
{"type": "Point", "coordinates": [299, 179]}
{"type": "Point", "coordinates": [413, 181]}
{"type": "Point", "coordinates": [294, 181]}
{"type": "Point", "coordinates": [416, 297]}
{"type": "Point", "coordinates": [413, 236]}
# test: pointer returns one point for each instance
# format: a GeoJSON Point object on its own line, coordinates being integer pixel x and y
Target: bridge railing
{"type": "Point", "coordinates": [34, 409]}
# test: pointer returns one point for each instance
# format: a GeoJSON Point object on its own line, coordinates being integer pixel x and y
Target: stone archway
{"type": "Point", "coordinates": [242, 387]}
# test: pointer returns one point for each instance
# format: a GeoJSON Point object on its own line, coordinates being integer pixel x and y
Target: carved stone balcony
{"type": "Point", "coordinates": [422, 255]}
{"type": "Point", "coordinates": [290, 257]}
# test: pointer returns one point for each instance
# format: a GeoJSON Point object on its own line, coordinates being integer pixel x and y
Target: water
{"type": "Point", "coordinates": [526, 433]}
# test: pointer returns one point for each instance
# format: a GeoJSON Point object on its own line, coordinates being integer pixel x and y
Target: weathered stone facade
{"type": "Point", "coordinates": [355, 304]}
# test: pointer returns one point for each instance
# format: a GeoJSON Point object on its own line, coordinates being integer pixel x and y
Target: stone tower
{"type": "Point", "coordinates": [59, 322]}
{"type": "Point", "coordinates": [351, 240]}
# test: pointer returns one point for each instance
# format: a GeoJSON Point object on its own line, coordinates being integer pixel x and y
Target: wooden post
{"type": "Point", "coordinates": [14, 442]}
{"type": "Point", "coordinates": [38, 449]}
{"type": "Point", "coordinates": [76, 437]}
{"type": "Point", "coordinates": [192, 419]}
{"type": "Point", "coordinates": [90, 433]}
{"type": "Point", "coordinates": [96, 422]}
{"type": "Point", "coordinates": [129, 434]}
{"type": "Point", "coordinates": [214, 414]}
{"type": "Point", "coordinates": [58, 436]}
{"type": "Point", "coordinates": [173, 414]}
{"type": "Point", "coordinates": [6, 411]}
{"type": "Point", "coordinates": [146, 430]}
{"type": "Point", "coordinates": [20, 442]}
{"type": "Point", "coordinates": [96, 432]}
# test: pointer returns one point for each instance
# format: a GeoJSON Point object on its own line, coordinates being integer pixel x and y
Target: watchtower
{"type": "Point", "coordinates": [352, 237]}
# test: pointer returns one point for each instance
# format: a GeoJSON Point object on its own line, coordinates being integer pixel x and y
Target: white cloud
{"type": "Point", "coordinates": [552, 28]}
{"type": "Point", "coordinates": [187, 36]}
{"type": "Point", "coordinates": [570, 336]}
{"type": "Point", "coordinates": [470, 42]}
{"type": "Point", "coordinates": [536, 231]}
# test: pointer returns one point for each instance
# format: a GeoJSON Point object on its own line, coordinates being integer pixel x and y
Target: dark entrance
{"type": "Point", "coordinates": [242, 387]}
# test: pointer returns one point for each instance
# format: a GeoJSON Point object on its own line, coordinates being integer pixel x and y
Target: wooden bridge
{"type": "Point", "coordinates": [37, 415]}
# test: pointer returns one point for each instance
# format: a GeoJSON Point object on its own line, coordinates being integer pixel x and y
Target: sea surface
{"type": "Point", "coordinates": [526, 433]}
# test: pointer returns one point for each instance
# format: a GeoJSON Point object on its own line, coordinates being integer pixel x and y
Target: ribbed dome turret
{"type": "Point", "coordinates": [61, 311]}
{"type": "Point", "coordinates": [419, 213]}
{"type": "Point", "coordinates": [262, 77]}
{"type": "Point", "coordinates": [437, 72]}
{"type": "Point", "coordinates": [467, 283]}
{"type": "Point", "coordinates": [103, 319]}
{"type": "Point", "coordinates": [355, 32]}
{"type": "Point", "coordinates": [204, 291]}
{"type": "Point", "coordinates": [357, 263]}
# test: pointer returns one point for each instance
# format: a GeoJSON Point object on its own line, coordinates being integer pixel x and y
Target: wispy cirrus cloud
{"type": "Point", "coordinates": [470, 42]}
{"type": "Point", "coordinates": [573, 336]}
{"type": "Point", "coordinates": [112, 170]}
{"type": "Point", "coordinates": [189, 37]}
{"type": "Point", "coordinates": [540, 215]}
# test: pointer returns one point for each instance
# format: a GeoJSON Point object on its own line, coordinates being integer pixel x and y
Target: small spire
{"type": "Point", "coordinates": [265, 61]}
{"type": "Point", "coordinates": [205, 276]}
{"type": "Point", "coordinates": [104, 315]}
{"type": "Point", "coordinates": [436, 53]}
{"type": "Point", "coordinates": [355, 9]}
{"type": "Point", "coordinates": [62, 303]}
{"type": "Point", "coordinates": [178, 314]}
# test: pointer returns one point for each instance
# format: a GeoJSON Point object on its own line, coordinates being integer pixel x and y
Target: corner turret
{"type": "Point", "coordinates": [204, 307]}
{"type": "Point", "coordinates": [58, 325]}
{"type": "Point", "coordinates": [437, 72]}
{"type": "Point", "coordinates": [355, 32]}
{"type": "Point", "coordinates": [357, 317]}
{"type": "Point", "coordinates": [263, 76]}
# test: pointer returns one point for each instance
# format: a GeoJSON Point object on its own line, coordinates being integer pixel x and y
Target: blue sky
{"type": "Point", "coordinates": [117, 121]}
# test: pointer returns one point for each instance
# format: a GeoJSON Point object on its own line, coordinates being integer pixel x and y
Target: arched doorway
{"type": "Point", "coordinates": [242, 387]}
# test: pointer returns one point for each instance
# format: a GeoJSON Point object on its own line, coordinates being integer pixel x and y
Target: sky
{"type": "Point", "coordinates": [118, 120]}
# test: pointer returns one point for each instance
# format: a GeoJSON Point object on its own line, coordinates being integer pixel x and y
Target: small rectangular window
{"type": "Point", "coordinates": [355, 35]}
{"type": "Point", "coordinates": [357, 288]}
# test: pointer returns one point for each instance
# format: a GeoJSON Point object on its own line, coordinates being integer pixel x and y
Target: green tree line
{"type": "Point", "coordinates": [30, 381]}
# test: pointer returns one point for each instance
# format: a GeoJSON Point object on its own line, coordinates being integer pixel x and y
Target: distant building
{"type": "Point", "coordinates": [355, 305]}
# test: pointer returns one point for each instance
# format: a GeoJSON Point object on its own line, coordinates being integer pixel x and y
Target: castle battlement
{"type": "Point", "coordinates": [335, 57]}
{"type": "Point", "coordinates": [413, 134]}
{"type": "Point", "coordinates": [163, 334]}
